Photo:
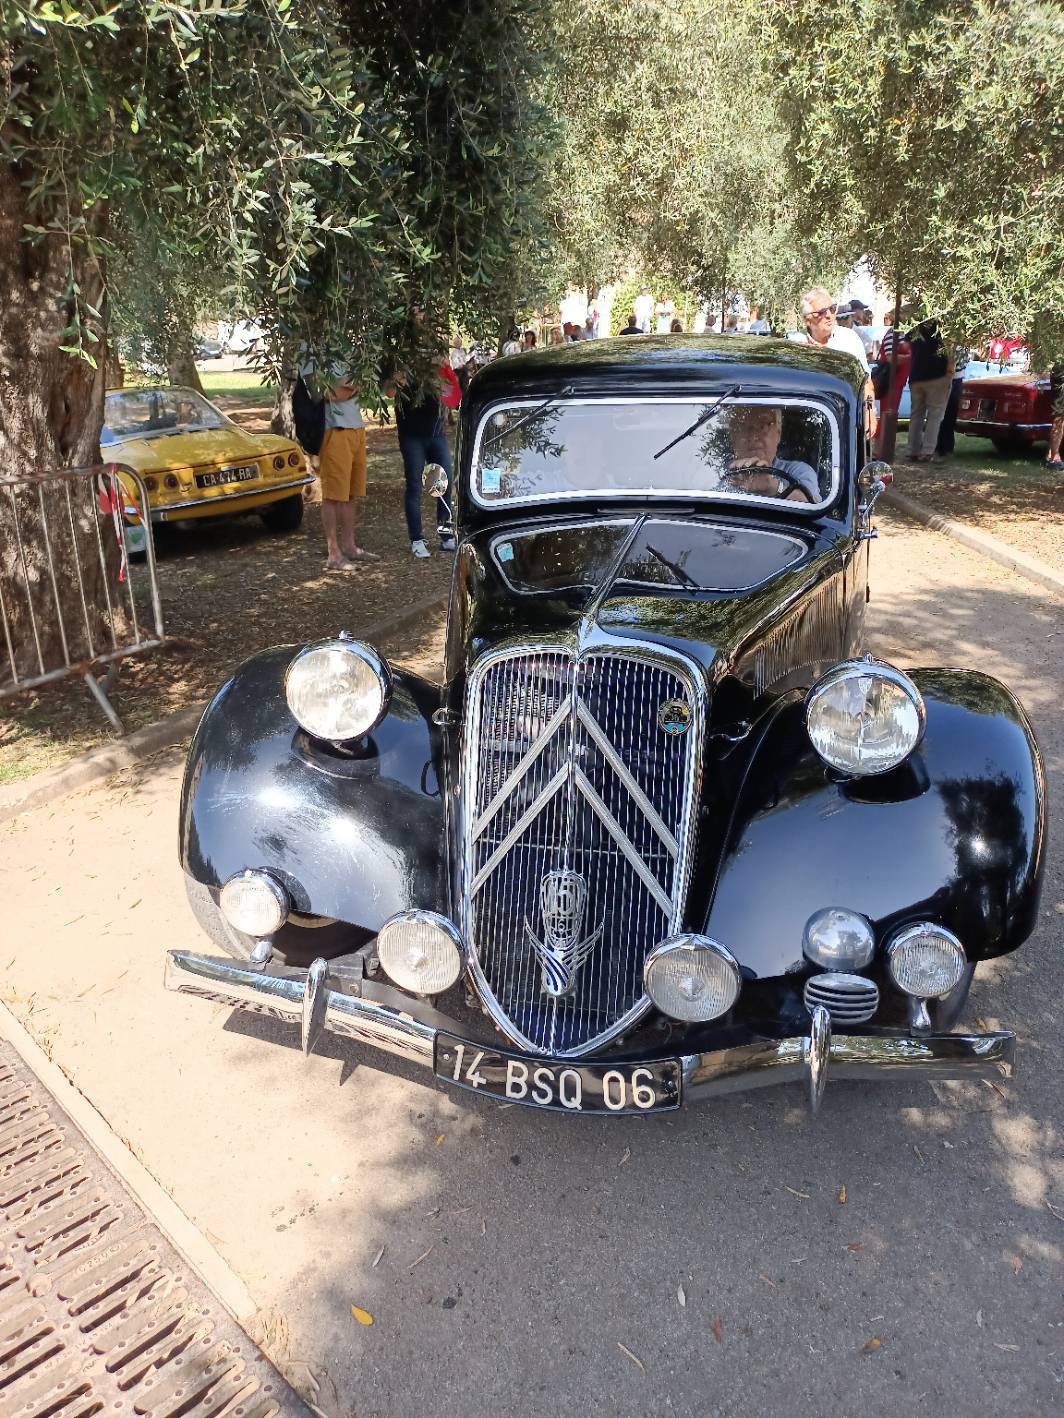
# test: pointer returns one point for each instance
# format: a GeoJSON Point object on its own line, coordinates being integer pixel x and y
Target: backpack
{"type": "Point", "coordinates": [308, 414]}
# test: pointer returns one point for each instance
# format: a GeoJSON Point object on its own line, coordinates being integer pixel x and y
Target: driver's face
{"type": "Point", "coordinates": [755, 437]}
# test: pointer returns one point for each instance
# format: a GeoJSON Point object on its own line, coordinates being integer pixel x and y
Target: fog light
{"type": "Point", "coordinates": [838, 939]}
{"type": "Point", "coordinates": [254, 904]}
{"type": "Point", "coordinates": [926, 960]}
{"type": "Point", "coordinates": [692, 978]}
{"type": "Point", "coordinates": [420, 951]}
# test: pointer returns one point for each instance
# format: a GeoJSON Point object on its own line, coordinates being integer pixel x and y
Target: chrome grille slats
{"type": "Point", "coordinates": [849, 999]}
{"type": "Point", "coordinates": [570, 775]}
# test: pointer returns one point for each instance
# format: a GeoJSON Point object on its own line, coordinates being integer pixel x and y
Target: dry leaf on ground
{"type": "Point", "coordinates": [681, 1295]}
{"type": "Point", "coordinates": [842, 1194]}
{"type": "Point", "coordinates": [363, 1316]}
{"type": "Point", "coordinates": [635, 1360]}
{"type": "Point", "coordinates": [715, 1327]}
{"type": "Point", "coordinates": [871, 1345]}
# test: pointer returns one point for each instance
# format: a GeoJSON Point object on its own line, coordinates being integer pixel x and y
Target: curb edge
{"type": "Point", "coordinates": [989, 546]}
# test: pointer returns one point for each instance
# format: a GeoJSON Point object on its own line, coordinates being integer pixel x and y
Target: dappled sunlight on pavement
{"type": "Point", "coordinates": [901, 1252]}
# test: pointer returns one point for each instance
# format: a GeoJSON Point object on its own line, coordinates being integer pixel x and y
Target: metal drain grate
{"type": "Point", "coordinates": [98, 1313]}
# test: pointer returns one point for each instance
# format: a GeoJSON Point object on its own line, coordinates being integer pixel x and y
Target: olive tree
{"type": "Point", "coordinates": [329, 161]}
{"type": "Point", "coordinates": [929, 135]}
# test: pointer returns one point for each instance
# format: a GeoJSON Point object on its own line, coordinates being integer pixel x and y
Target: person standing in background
{"type": "Point", "coordinates": [946, 441]}
{"type": "Point", "coordinates": [1056, 428]}
{"type": "Point", "coordinates": [929, 383]}
{"type": "Point", "coordinates": [644, 310]}
{"type": "Point", "coordinates": [818, 316]}
{"type": "Point", "coordinates": [419, 424]}
{"type": "Point", "coordinates": [342, 472]}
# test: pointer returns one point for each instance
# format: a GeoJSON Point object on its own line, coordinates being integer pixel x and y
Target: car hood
{"type": "Point", "coordinates": [708, 585]}
{"type": "Point", "coordinates": [193, 450]}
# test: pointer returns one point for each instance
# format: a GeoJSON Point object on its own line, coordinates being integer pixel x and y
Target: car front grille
{"type": "Point", "coordinates": [580, 775]}
{"type": "Point", "coordinates": [849, 999]}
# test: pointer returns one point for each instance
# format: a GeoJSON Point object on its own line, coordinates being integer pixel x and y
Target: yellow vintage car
{"type": "Point", "coordinates": [196, 463]}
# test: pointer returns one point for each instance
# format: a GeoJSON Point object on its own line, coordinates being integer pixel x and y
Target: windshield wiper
{"type": "Point", "coordinates": [674, 566]}
{"type": "Point", "coordinates": [525, 418]}
{"type": "Point", "coordinates": [704, 417]}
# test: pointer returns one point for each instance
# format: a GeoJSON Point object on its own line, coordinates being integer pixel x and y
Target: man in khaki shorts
{"type": "Point", "coordinates": [342, 472]}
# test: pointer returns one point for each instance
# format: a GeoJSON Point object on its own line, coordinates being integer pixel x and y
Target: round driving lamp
{"type": "Point", "coordinates": [338, 689]}
{"type": "Point", "coordinates": [421, 951]}
{"type": "Point", "coordinates": [864, 717]}
{"type": "Point", "coordinates": [254, 903]}
{"type": "Point", "coordinates": [692, 978]}
{"type": "Point", "coordinates": [926, 960]}
{"type": "Point", "coordinates": [838, 939]}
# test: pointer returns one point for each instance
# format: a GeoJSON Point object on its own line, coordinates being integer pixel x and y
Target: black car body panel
{"type": "Point", "coordinates": [746, 605]}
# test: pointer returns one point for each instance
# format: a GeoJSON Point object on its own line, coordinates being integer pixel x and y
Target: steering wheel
{"type": "Point", "coordinates": [789, 483]}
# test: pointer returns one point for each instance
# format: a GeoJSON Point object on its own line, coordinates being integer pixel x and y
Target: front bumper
{"type": "Point", "coordinates": [379, 1015]}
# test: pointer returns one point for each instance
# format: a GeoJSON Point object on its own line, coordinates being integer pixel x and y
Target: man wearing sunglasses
{"type": "Point", "coordinates": [821, 328]}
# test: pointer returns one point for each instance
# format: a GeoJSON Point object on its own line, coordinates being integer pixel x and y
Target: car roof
{"type": "Point", "coordinates": [669, 364]}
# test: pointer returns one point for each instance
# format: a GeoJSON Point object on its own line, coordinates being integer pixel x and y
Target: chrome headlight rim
{"type": "Point", "coordinates": [900, 939]}
{"type": "Point", "coordinates": [686, 941]}
{"type": "Point", "coordinates": [427, 918]}
{"type": "Point", "coordinates": [274, 888]}
{"type": "Point", "coordinates": [368, 656]}
{"type": "Point", "coordinates": [854, 669]}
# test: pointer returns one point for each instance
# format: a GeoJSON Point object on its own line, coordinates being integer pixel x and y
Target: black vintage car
{"type": "Point", "coordinates": [665, 830]}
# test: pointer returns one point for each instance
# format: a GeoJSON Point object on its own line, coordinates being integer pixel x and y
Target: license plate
{"type": "Point", "coordinates": [566, 1087]}
{"type": "Point", "coordinates": [221, 476]}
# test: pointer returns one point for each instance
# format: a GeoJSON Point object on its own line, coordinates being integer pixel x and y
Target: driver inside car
{"type": "Point", "coordinates": [755, 467]}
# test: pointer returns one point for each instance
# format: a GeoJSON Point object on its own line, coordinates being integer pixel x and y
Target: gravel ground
{"type": "Point", "coordinates": [1015, 498]}
{"type": "Point", "coordinates": [230, 588]}
{"type": "Point", "coordinates": [902, 1254]}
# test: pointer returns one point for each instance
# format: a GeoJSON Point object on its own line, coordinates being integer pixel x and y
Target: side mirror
{"type": "Point", "coordinates": [434, 480]}
{"type": "Point", "coordinates": [875, 477]}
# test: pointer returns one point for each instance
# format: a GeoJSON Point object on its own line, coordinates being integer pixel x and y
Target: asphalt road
{"type": "Point", "coordinates": [901, 1253]}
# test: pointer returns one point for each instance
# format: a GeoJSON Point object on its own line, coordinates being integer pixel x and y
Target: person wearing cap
{"type": "Point", "coordinates": [821, 328]}
{"type": "Point", "coordinates": [930, 377]}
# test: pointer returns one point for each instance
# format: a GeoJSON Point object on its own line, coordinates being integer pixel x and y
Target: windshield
{"type": "Point", "coordinates": [750, 450]}
{"type": "Point", "coordinates": [152, 413]}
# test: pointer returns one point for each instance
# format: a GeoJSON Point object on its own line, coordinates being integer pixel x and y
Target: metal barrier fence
{"type": "Point", "coordinates": [68, 598]}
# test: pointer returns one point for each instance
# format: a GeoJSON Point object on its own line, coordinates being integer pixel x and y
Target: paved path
{"type": "Point", "coordinates": [521, 1251]}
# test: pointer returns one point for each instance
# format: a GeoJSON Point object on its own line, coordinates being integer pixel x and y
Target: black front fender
{"type": "Point", "coordinates": [354, 837]}
{"type": "Point", "coordinates": [955, 835]}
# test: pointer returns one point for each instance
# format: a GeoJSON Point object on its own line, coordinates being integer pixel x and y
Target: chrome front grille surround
{"type": "Point", "coordinates": [580, 779]}
{"type": "Point", "coordinates": [849, 999]}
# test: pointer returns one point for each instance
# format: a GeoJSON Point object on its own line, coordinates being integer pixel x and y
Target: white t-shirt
{"type": "Point", "coordinates": [849, 341]}
{"type": "Point", "coordinates": [644, 309]}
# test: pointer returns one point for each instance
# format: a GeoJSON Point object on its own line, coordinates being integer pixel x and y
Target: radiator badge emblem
{"type": "Point", "coordinates": [674, 717]}
{"type": "Point", "coordinates": [561, 952]}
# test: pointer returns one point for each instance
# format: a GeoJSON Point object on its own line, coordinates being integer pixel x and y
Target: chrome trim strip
{"type": "Point", "coordinates": [160, 514]}
{"type": "Point", "coordinates": [613, 827]}
{"type": "Point", "coordinates": [656, 493]}
{"type": "Point", "coordinates": [522, 768]}
{"type": "Point", "coordinates": [381, 1016]}
{"type": "Point", "coordinates": [530, 813]}
{"type": "Point", "coordinates": [646, 807]}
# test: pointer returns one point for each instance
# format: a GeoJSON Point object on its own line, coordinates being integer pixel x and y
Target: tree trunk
{"type": "Point", "coordinates": [283, 420]}
{"type": "Point", "coordinates": [51, 411]}
{"type": "Point", "coordinates": [181, 370]}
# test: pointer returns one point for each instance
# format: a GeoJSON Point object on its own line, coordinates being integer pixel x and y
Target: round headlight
{"type": "Point", "coordinates": [338, 689]}
{"type": "Point", "coordinates": [838, 939]}
{"type": "Point", "coordinates": [926, 960]}
{"type": "Point", "coordinates": [254, 904]}
{"type": "Point", "coordinates": [864, 717]}
{"type": "Point", "coordinates": [420, 951]}
{"type": "Point", "coordinates": [692, 978]}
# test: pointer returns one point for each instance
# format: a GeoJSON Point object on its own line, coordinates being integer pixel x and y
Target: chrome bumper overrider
{"type": "Point", "coordinates": [381, 1016]}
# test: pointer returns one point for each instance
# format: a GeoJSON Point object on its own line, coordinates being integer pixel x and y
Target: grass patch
{"type": "Point", "coordinates": [237, 384]}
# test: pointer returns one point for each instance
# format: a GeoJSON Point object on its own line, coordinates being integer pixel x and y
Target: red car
{"type": "Point", "coordinates": [1012, 410]}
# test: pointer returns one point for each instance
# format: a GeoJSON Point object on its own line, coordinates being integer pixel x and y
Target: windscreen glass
{"type": "Point", "coordinates": [153, 413]}
{"type": "Point", "coordinates": [746, 450]}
